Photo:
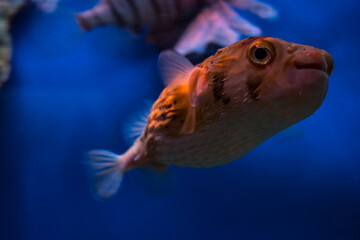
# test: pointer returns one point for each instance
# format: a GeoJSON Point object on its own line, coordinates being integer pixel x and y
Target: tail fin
{"type": "Point", "coordinates": [105, 172]}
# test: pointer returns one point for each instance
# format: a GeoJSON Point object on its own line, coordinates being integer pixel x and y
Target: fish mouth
{"type": "Point", "coordinates": [316, 66]}
{"type": "Point", "coordinates": [324, 64]}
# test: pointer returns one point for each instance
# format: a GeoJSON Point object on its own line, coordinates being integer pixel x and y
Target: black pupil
{"type": "Point", "coordinates": [260, 53]}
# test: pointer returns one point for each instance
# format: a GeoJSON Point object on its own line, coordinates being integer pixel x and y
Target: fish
{"type": "Point", "coordinates": [8, 8]}
{"type": "Point", "coordinates": [217, 111]}
{"type": "Point", "coordinates": [188, 26]}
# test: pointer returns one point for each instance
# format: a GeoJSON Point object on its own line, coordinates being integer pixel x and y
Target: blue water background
{"type": "Point", "coordinates": [70, 92]}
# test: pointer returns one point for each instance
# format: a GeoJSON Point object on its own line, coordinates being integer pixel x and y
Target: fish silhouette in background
{"type": "Point", "coordinates": [8, 8]}
{"type": "Point", "coordinates": [188, 26]}
{"type": "Point", "coordinates": [217, 111]}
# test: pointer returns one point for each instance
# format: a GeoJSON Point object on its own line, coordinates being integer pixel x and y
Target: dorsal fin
{"type": "Point", "coordinates": [174, 67]}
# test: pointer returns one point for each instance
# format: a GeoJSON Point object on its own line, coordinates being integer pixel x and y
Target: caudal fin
{"type": "Point", "coordinates": [105, 172]}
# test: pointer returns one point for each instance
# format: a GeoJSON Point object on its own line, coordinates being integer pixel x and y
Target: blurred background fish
{"type": "Point", "coordinates": [189, 26]}
{"type": "Point", "coordinates": [8, 8]}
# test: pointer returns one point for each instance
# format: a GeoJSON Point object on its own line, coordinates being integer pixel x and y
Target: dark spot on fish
{"type": "Point", "coordinates": [146, 131]}
{"type": "Point", "coordinates": [253, 84]}
{"type": "Point", "coordinates": [174, 102]}
{"type": "Point", "coordinates": [226, 100]}
{"type": "Point", "coordinates": [182, 121]}
{"type": "Point", "coordinates": [218, 86]}
{"type": "Point", "coordinates": [163, 116]}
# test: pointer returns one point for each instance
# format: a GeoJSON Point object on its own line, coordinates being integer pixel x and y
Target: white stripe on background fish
{"type": "Point", "coordinates": [216, 112]}
{"type": "Point", "coordinates": [7, 9]}
{"type": "Point", "coordinates": [167, 19]}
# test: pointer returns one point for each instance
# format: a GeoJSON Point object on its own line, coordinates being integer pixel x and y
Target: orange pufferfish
{"type": "Point", "coordinates": [216, 112]}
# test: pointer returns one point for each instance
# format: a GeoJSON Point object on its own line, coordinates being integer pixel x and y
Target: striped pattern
{"type": "Point", "coordinates": [133, 14]}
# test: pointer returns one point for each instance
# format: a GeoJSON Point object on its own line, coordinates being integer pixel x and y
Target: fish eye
{"type": "Point", "coordinates": [261, 53]}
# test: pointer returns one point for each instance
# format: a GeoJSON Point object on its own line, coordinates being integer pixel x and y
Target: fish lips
{"type": "Point", "coordinates": [315, 60]}
{"type": "Point", "coordinates": [313, 68]}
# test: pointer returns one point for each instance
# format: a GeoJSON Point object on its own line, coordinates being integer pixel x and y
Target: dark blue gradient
{"type": "Point", "coordinates": [70, 92]}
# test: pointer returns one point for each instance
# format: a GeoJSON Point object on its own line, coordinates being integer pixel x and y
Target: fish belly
{"type": "Point", "coordinates": [209, 146]}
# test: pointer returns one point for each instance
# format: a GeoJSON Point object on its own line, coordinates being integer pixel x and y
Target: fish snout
{"type": "Point", "coordinates": [329, 61]}
{"type": "Point", "coordinates": [312, 58]}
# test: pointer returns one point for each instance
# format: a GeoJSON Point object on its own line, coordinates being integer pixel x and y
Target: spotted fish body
{"type": "Point", "coordinates": [187, 25]}
{"type": "Point", "coordinates": [219, 110]}
{"type": "Point", "coordinates": [217, 140]}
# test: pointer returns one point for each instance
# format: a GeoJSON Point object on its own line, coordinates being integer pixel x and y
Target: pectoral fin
{"type": "Point", "coordinates": [190, 122]}
{"type": "Point", "coordinates": [193, 81]}
{"type": "Point", "coordinates": [197, 87]}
